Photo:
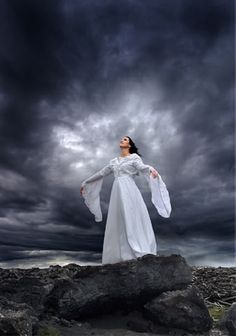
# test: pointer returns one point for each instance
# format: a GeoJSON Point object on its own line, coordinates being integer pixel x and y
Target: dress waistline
{"type": "Point", "coordinates": [122, 176]}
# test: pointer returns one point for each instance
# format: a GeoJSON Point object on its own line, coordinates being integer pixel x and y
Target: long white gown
{"type": "Point", "coordinates": [128, 233]}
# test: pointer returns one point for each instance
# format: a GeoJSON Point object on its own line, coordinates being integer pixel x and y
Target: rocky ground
{"type": "Point", "coordinates": [217, 285]}
{"type": "Point", "coordinates": [55, 296]}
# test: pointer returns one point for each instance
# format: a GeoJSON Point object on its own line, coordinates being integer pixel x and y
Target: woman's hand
{"type": "Point", "coordinates": [154, 173]}
{"type": "Point", "coordinates": [81, 190]}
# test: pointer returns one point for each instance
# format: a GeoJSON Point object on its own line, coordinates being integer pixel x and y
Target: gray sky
{"type": "Point", "coordinates": [76, 76]}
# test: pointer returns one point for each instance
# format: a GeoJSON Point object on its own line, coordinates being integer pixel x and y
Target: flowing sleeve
{"type": "Point", "coordinates": [159, 193]}
{"type": "Point", "coordinates": [91, 191]}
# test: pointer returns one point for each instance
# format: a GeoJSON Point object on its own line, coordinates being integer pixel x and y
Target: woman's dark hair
{"type": "Point", "coordinates": [133, 148]}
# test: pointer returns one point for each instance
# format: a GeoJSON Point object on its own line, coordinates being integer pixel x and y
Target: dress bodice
{"type": "Point", "coordinates": [122, 166]}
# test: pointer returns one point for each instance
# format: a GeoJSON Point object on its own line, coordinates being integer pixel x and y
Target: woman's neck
{"type": "Point", "coordinates": [124, 153]}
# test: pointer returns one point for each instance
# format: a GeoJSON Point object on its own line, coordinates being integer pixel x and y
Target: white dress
{"type": "Point", "coordinates": [128, 233]}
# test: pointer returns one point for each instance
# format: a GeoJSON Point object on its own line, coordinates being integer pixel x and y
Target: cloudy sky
{"type": "Point", "coordinates": [75, 77]}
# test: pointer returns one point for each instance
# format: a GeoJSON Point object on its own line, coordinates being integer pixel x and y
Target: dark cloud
{"type": "Point", "coordinates": [75, 76]}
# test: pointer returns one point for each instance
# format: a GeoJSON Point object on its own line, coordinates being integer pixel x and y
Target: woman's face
{"type": "Point", "coordinates": [124, 142]}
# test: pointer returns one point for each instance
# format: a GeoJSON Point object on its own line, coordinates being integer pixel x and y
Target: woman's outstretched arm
{"type": "Point", "coordinates": [140, 166]}
{"type": "Point", "coordinates": [98, 175]}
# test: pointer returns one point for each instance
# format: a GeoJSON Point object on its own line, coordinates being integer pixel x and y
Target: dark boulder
{"type": "Point", "coordinates": [126, 285]}
{"type": "Point", "coordinates": [149, 284]}
{"type": "Point", "coordinates": [184, 309]}
{"type": "Point", "coordinates": [16, 319]}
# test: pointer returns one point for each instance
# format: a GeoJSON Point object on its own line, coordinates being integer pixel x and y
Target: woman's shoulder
{"type": "Point", "coordinates": [112, 161]}
{"type": "Point", "coordinates": [136, 156]}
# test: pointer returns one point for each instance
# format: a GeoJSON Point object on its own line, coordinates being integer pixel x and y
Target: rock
{"type": "Point", "coordinates": [228, 320]}
{"type": "Point", "coordinates": [25, 286]}
{"type": "Point", "coordinates": [217, 284]}
{"type": "Point", "coordinates": [70, 295]}
{"type": "Point", "coordinates": [16, 319]}
{"type": "Point", "coordinates": [66, 323]}
{"type": "Point", "coordinates": [75, 292]}
{"type": "Point", "coordinates": [96, 290]}
{"type": "Point", "coordinates": [184, 309]}
{"type": "Point", "coordinates": [140, 325]}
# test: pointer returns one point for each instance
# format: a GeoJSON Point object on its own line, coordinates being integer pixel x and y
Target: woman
{"type": "Point", "coordinates": [128, 233]}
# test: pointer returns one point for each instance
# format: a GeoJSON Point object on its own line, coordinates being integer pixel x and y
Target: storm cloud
{"type": "Point", "coordinates": [75, 77]}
